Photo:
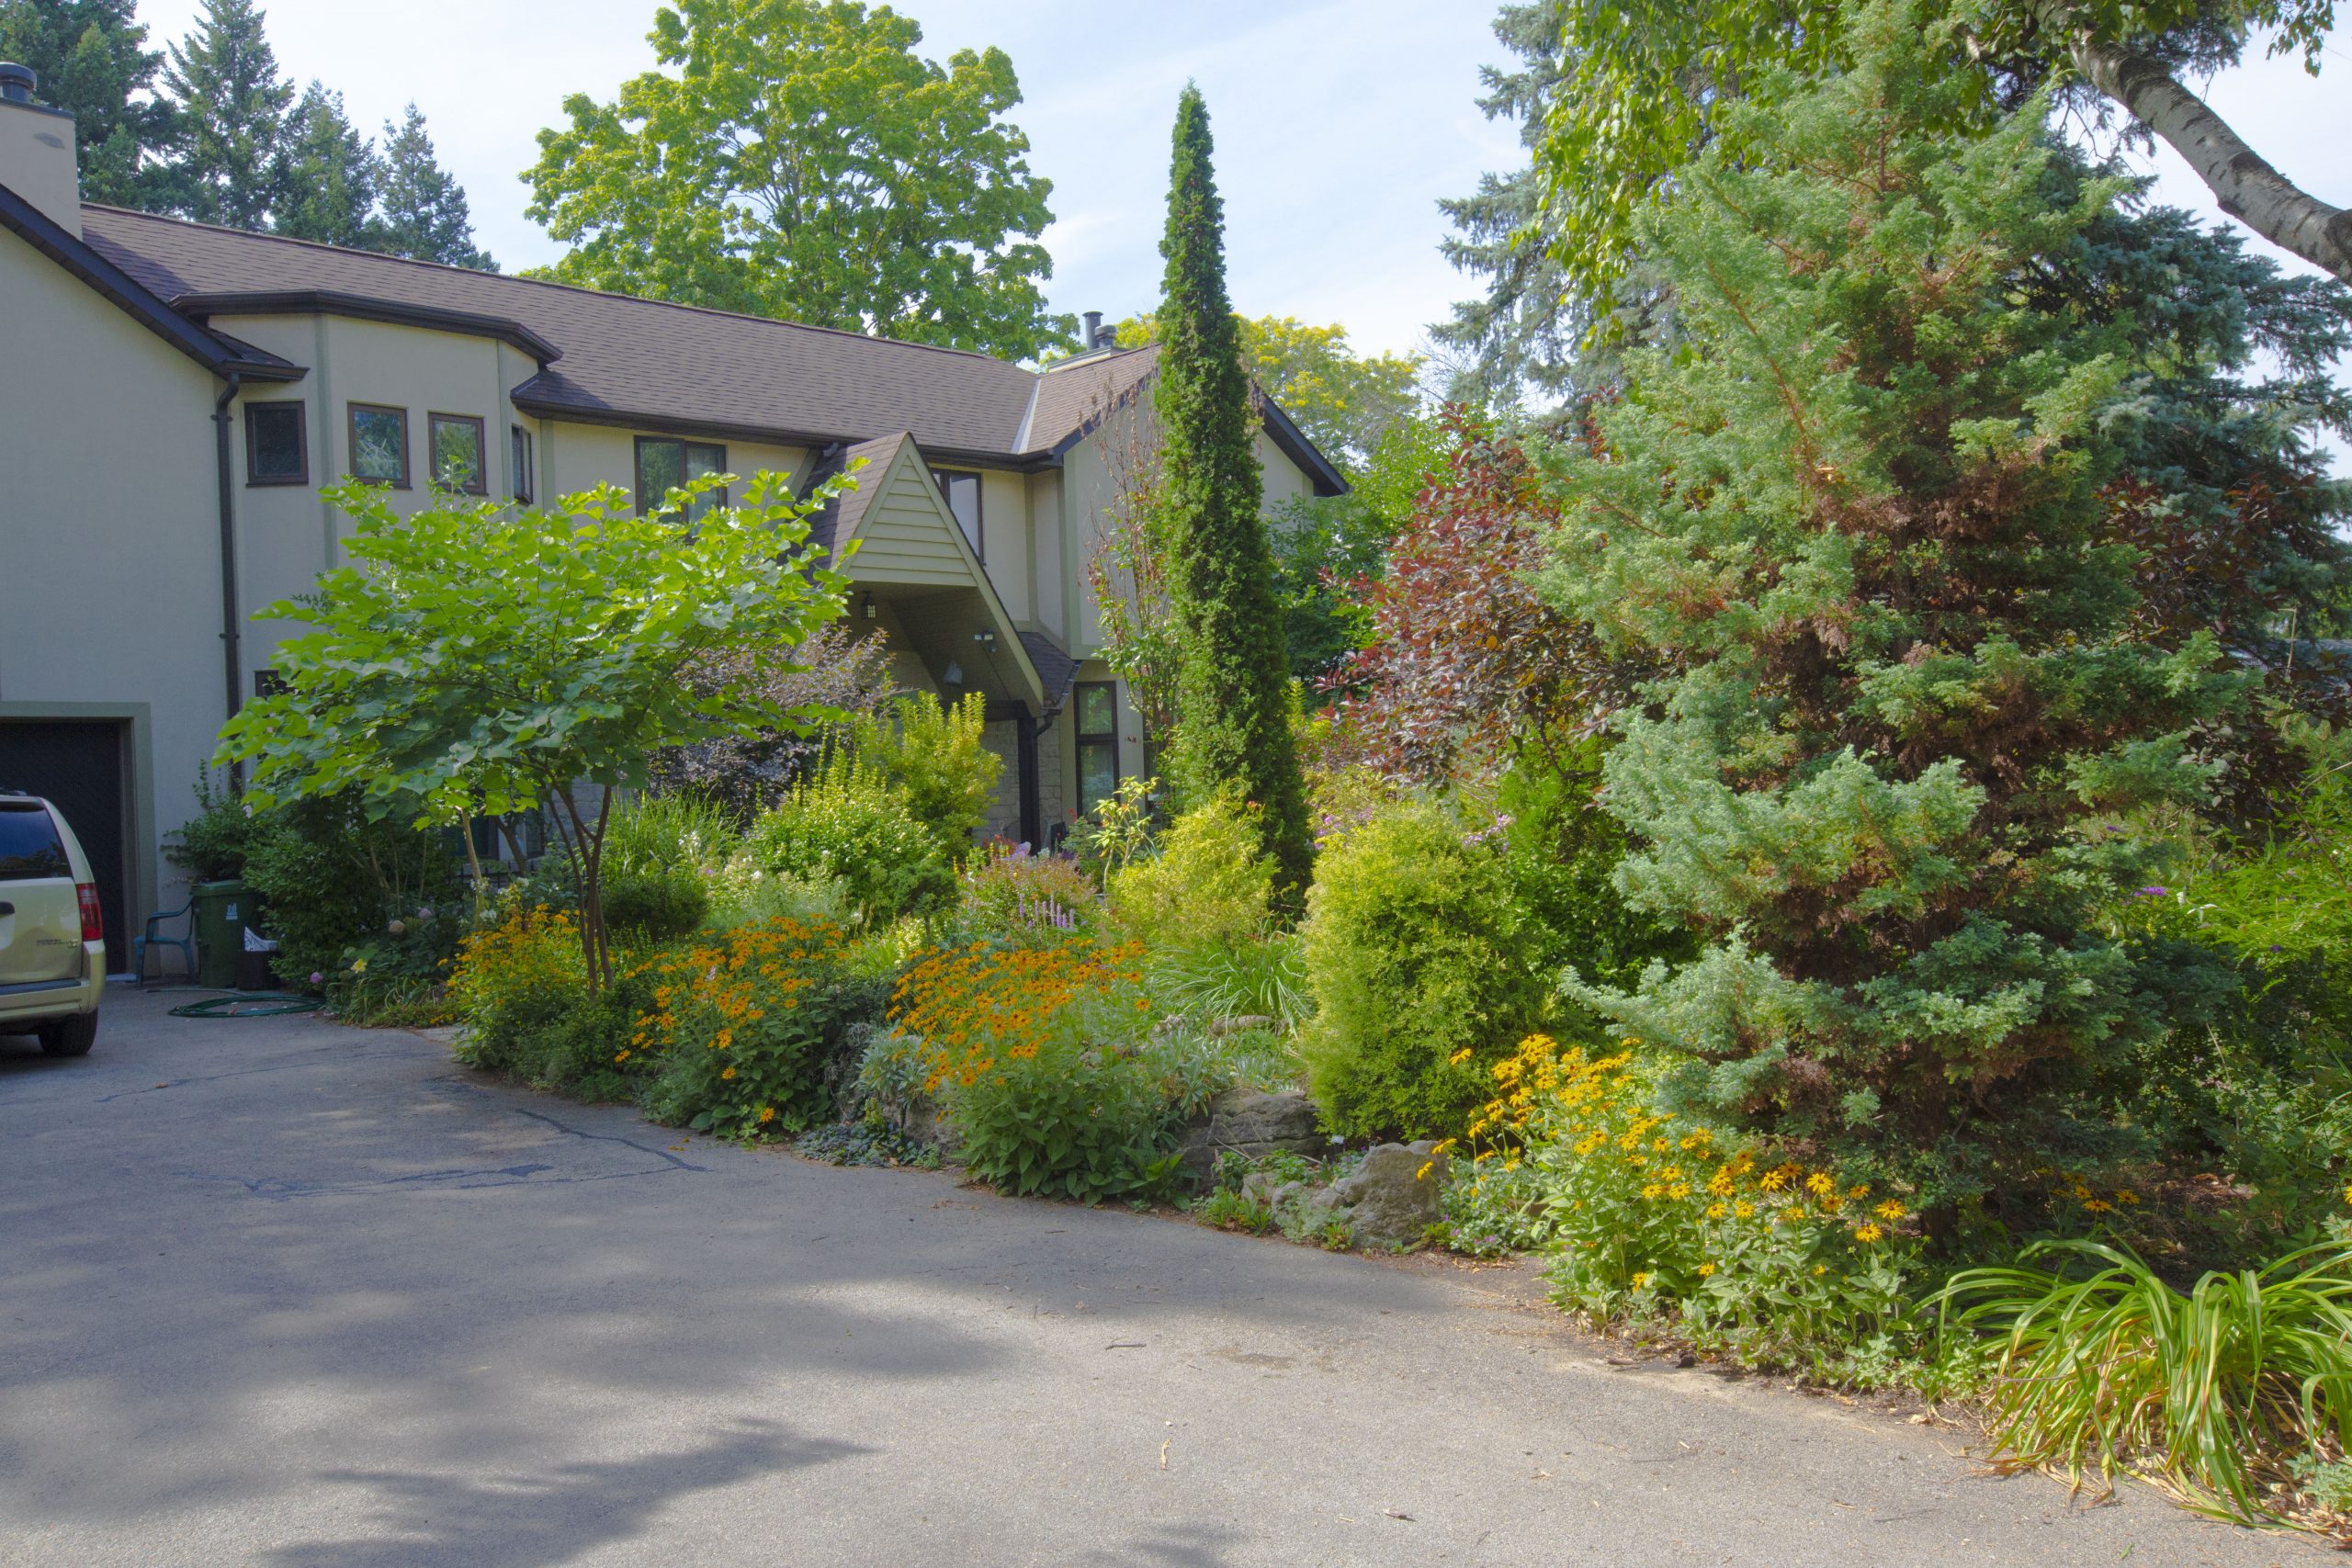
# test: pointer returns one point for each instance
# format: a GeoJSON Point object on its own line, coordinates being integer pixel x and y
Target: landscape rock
{"type": "Point", "coordinates": [1392, 1198]}
{"type": "Point", "coordinates": [1255, 1123]}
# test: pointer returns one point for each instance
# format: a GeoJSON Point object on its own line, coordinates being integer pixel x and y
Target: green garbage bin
{"type": "Point", "coordinates": [219, 931]}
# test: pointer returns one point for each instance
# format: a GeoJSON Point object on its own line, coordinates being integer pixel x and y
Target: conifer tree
{"type": "Point", "coordinates": [425, 215]}
{"type": "Point", "coordinates": [1862, 512]}
{"type": "Point", "coordinates": [1233, 684]}
{"type": "Point", "coordinates": [227, 104]}
{"type": "Point", "coordinates": [91, 56]}
{"type": "Point", "coordinates": [328, 173]}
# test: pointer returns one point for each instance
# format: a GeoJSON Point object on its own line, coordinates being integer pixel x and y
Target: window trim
{"type": "Point", "coordinates": [351, 430]}
{"type": "Point", "coordinates": [979, 539]}
{"type": "Point", "coordinates": [520, 462]}
{"type": "Point", "coordinates": [254, 478]}
{"type": "Point", "coordinates": [716, 498]}
{"type": "Point", "coordinates": [1084, 737]}
{"type": "Point", "coordinates": [432, 423]}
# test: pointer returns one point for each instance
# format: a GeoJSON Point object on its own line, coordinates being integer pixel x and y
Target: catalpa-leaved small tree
{"type": "Point", "coordinates": [478, 659]}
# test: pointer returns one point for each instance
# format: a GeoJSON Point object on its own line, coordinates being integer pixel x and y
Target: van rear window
{"type": "Point", "coordinates": [30, 847]}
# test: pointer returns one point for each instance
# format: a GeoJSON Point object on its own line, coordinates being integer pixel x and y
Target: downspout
{"type": "Point", "coordinates": [232, 654]}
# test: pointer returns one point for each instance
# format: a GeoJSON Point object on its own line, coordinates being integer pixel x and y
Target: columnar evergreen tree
{"type": "Point", "coordinates": [1860, 515]}
{"type": "Point", "coordinates": [425, 215]}
{"type": "Point", "coordinates": [227, 106]}
{"type": "Point", "coordinates": [328, 173]}
{"type": "Point", "coordinates": [91, 56]}
{"type": "Point", "coordinates": [1233, 684]}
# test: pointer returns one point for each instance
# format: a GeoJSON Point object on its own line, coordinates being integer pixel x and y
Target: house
{"type": "Point", "coordinates": [176, 395]}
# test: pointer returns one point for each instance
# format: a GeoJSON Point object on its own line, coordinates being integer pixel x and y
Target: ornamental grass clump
{"type": "Point", "coordinates": [1649, 1214]}
{"type": "Point", "coordinates": [743, 1026]}
{"type": "Point", "coordinates": [1038, 1052]}
{"type": "Point", "coordinates": [2234, 1396]}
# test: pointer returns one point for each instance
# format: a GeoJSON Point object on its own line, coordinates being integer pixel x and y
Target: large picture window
{"type": "Point", "coordinates": [456, 440]}
{"type": "Point", "coordinates": [664, 465]}
{"type": "Point", "coordinates": [276, 445]}
{"type": "Point", "coordinates": [1097, 727]}
{"type": "Point", "coordinates": [379, 445]}
{"type": "Point", "coordinates": [962, 493]}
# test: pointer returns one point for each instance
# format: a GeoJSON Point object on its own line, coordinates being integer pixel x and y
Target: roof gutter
{"type": "Point", "coordinates": [232, 652]}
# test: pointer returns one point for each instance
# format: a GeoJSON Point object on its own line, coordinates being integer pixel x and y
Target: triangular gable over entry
{"type": "Point", "coordinates": [905, 534]}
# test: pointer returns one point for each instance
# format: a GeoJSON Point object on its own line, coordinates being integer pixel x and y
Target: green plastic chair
{"type": "Point", "coordinates": [185, 941]}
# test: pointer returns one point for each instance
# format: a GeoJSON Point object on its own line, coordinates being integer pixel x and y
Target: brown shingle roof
{"type": "Point", "coordinates": [617, 359]}
{"type": "Point", "coordinates": [621, 356]}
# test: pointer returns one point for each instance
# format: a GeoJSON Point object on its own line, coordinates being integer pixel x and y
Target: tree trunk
{"type": "Point", "coordinates": [2247, 187]}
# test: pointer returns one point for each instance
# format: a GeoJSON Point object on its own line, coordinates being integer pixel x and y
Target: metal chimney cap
{"type": "Point", "coordinates": [17, 82]}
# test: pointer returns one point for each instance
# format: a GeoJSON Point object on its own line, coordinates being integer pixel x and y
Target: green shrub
{"type": "Point", "coordinates": [330, 880]}
{"type": "Point", "coordinates": [1036, 1047]}
{"type": "Point", "coordinates": [211, 846]}
{"type": "Point", "coordinates": [519, 990]}
{"type": "Point", "coordinates": [850, 822]}
{"type": "Point", "coordinates": [1078, 1117]}
{"type": "Point", "coordinates": [935, 757]}
{"type": "Point", "coordinates": [661, 854]}
{"type": "Point", "coordinates": [1211, 881]}
{"type": "Point", "coordinates": [748, 1025]}
{"type": "Point", "coordinates": [395, 978]}
{"type": "Point", "coordinates": [2221, 1396]}
{"type": "Point", "coordinates": [1418, 959]}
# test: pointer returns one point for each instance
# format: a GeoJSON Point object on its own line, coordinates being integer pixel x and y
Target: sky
{"type": "Point", "coordinates": [1339, 125]}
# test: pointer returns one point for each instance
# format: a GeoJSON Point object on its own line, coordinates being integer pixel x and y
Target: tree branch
{"type": "Point", "coordinates": [2247, 187]}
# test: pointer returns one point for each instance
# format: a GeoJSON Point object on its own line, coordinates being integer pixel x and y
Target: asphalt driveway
{"type": "Point", "coordinates": [280, 1293]}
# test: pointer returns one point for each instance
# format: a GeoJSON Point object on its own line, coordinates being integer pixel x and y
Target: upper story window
{"type": "Point", "coordinates": [277, 449]}
{"type": "Point", "coordinates": [962, 493]}
{"type": "Point", "coordinates": [518, 462]}
{"type": "Point", "coordinates": [456, 440]}
{"type": "Point", "coordinates": [379, 445]}
{"type": "Point", "coordinates": [664, 463]}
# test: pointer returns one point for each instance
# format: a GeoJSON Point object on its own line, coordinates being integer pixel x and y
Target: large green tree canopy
{"type": "Point", "coordinates": [1640, 85]}
{"type": "Point", "coordinates": [798, 159]}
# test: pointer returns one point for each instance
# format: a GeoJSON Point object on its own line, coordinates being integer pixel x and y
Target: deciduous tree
{"type": "Point", "coordinates": [482, 658]}
{"type": "Point", "coordinates": [798, 159]}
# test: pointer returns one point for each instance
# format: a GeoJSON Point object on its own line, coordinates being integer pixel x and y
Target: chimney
{"type": "Point", "coordinates": [1093, 319]}
{"type": "Point", "coordinates": [37, 150]}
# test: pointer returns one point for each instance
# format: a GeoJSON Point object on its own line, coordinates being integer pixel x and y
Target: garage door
{"type": "Point", "coordinates": [79, 767]}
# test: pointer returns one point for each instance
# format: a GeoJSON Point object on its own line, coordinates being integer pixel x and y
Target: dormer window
{"type": "Point", "coordinates": [961, 491]}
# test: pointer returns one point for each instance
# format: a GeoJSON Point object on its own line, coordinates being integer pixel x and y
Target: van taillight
{"type": "Point", "coordinates": [93, 919]}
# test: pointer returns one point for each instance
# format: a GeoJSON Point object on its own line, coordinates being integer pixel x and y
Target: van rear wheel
{"type": "Point", "coordinates": [70, 1036]}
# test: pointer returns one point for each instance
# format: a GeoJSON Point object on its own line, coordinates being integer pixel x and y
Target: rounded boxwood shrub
{"type": "Point", "coordinates": [1422, 965]}
{"type": "Point", "coordinates": [849, 823]}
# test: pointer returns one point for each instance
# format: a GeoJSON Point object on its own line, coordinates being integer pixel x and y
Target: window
{"type": "Point", "coordinates": [1098, 744]}
{"type": "Point", "coordinates": [379, 445]}
{"type": "Point", "coordinates": [664, 465]}
{"type": "Point", "coordinates": [962, 493]}
{"type": "Point", "coordinates": [269, 683]}
{"type": "Point", "coordinates": [30, 850]}
{"type": "Point", "coordinates": [518, 462]}
{"type": "Point", "coordinates": [456, 443]}
{"type": "Point", "coordinates": [277, 447]}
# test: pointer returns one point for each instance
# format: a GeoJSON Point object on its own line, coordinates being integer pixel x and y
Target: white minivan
{"type": "Point", "coordinates": [53, 939]}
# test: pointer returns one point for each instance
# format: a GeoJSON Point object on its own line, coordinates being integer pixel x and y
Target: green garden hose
{"type": "Point", "coordinates": [248, 1004]}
